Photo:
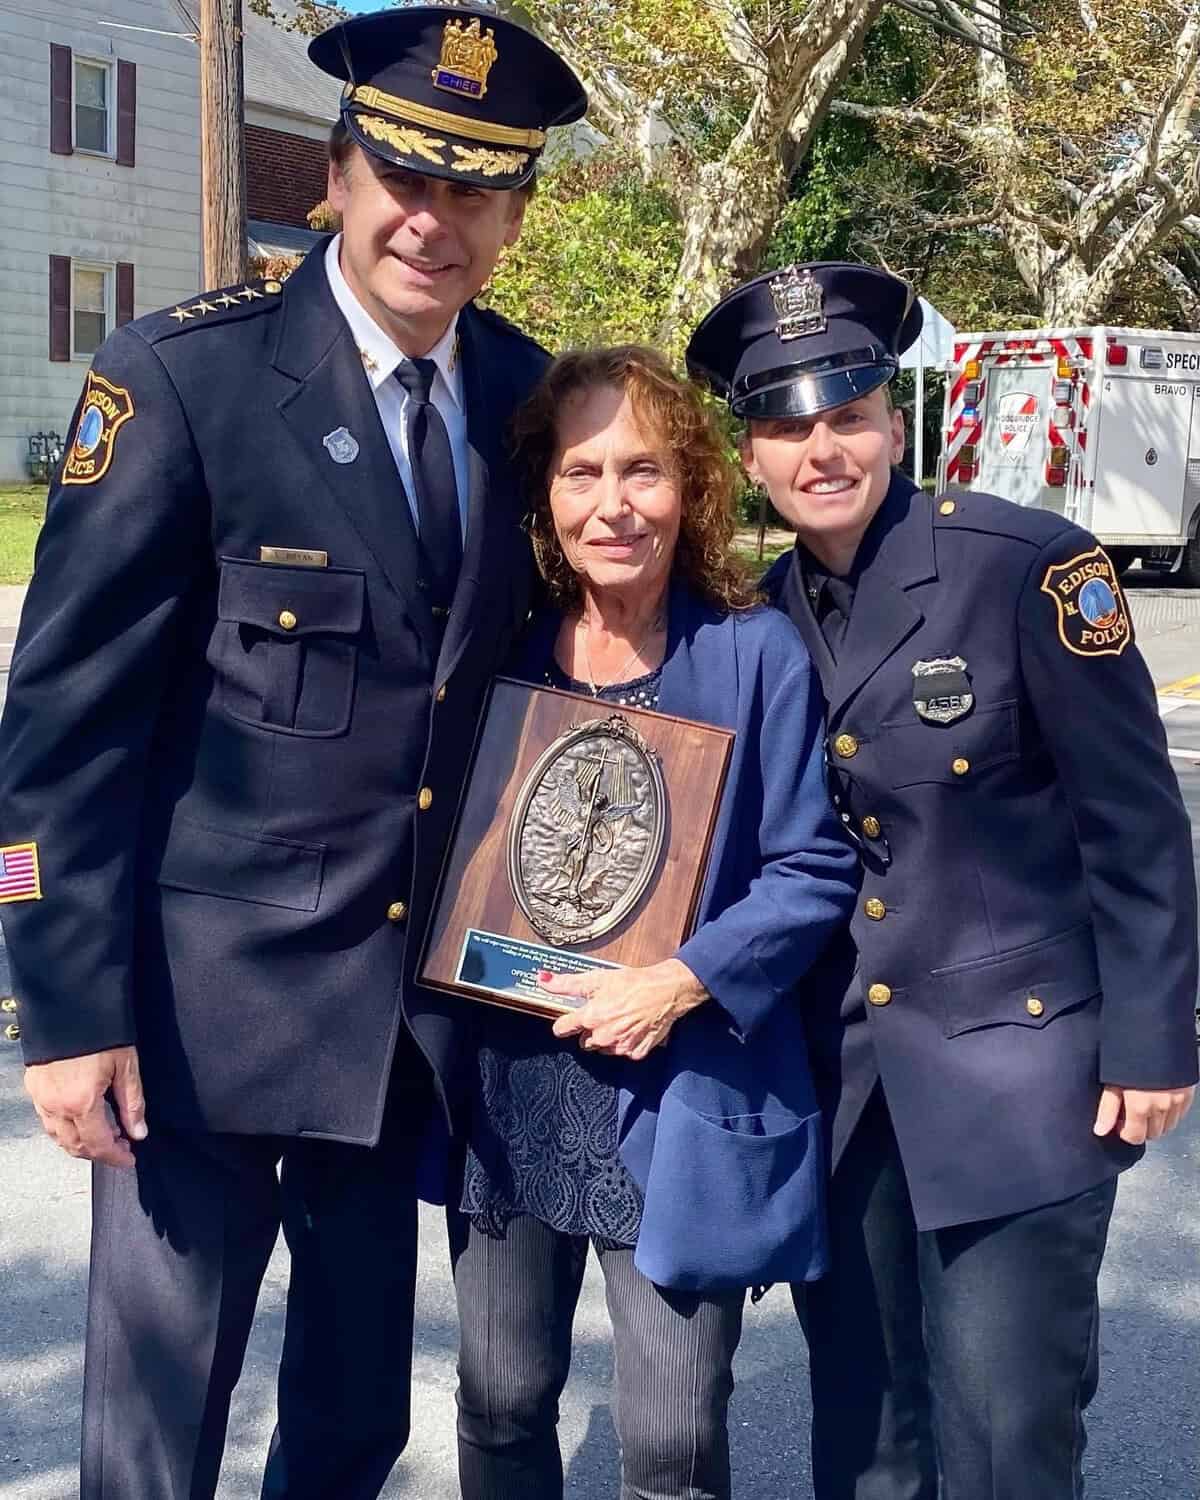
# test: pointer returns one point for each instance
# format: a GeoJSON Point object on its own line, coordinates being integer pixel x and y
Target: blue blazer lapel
{"type": "Point", "coordinates": [316, 348]}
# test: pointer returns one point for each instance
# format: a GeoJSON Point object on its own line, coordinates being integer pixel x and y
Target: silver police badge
{"type": "Point", "coordinates": [799, 304]}
{"type": "Point", "coordinates": [587, 831]}
{"type": "Point", "coordinates": [341, 445]}
{"type": "Point", "coordinates": [941, 689]}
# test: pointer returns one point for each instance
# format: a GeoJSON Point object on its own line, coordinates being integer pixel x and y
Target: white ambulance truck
{"type": "Point", "coordinates": [1101, 425]}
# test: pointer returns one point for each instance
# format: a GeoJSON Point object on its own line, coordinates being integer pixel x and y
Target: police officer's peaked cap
{"type": "Point", "coordinates": [805, 338]}
{"type": "Point", "coordinates": [452, 91]}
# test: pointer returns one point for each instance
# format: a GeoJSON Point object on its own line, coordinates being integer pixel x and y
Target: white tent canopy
{"type": "Point", "coordinates": [932, 350]}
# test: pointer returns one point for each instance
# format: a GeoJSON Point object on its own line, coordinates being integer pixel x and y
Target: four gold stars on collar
{"type": "Point", "coordinates": [370, 363]}
{"type": "Point", "coordinates": [202, 307]}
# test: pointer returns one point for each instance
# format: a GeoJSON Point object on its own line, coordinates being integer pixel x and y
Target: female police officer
{"type": "Point", "coordinates": [1020, 1019]}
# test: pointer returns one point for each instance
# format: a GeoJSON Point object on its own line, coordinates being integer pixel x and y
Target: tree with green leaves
{"type": "Point", "coordinates": [1075, 145]}
{"type": "Point", "coordinates": [719, 101]}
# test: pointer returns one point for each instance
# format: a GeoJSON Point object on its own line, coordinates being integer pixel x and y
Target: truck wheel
{"type": "Point", "coordinates": [1189, 569]}
{"type": "Point", "coordinates": [1122, 558]}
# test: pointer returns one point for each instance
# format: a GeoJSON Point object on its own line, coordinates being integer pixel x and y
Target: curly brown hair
{"type": "Point", "coordinates": [674, 410]}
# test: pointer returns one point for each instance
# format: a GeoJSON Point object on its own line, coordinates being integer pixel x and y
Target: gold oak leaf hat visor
{"type": "Point", "coordinates": [450, 91]}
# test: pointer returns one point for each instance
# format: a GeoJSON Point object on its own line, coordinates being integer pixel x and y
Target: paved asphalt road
{"type": "Point", "coordinates": [1145, 1423]}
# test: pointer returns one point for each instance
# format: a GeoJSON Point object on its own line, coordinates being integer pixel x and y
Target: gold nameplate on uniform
{"type": "Point", "coordinates": [295, 557]}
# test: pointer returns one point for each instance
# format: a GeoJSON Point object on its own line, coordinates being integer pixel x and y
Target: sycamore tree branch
{"type": "Point", "coordinates": [740, 41]}
{"type": "Point", "coordinates": [1185, 294]}
{"type": "Point", "coordinates": [1164, 150]}
{"type": "Point", "coordinates": [1167, 211]}
{"type": "Point", "coordinates": [917, 121]}
{"type": "Point", "coordinates": [843, 42]}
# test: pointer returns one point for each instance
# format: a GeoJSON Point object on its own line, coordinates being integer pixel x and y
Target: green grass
{"type": "Point", "coordinates": [21, 510]}
{"type": "Point", "coordinates": [747, 555]}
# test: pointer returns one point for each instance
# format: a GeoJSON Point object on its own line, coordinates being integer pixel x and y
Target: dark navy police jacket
{"type": "Point", "coordinates": [1026, 928]}
{"type": "Point", "coordinates": [240, 775]}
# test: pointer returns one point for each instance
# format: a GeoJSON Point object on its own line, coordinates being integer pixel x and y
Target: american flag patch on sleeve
{"type": "Point", "coordinates": [20, 878]}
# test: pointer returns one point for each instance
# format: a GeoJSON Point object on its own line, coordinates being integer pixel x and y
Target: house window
{"type": "Point", "coordinates": [93, 111]}
{"type": "Point", "coordinates": [91, 308]}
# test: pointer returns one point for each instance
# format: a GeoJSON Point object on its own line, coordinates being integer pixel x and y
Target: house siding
{"type": "Point", "coordinates": [85, 207]}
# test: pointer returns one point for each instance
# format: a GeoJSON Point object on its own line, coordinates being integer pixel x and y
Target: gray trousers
{"type": "Point", "coordinates": [674, 1354]}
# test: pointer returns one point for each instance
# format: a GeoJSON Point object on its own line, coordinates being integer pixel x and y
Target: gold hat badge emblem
{"type": "Point", "coordinates": [799, 304]}
{"type": "Point", "coordinates": [468, 53]}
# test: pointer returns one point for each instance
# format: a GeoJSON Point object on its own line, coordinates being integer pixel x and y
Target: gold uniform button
{"type": "Point", "coordinates": [947, 507]}
{"type": "Point", "coordinates": [424, 799]}
{"type": "Point", "coordinates": [440, 697]}
{"type": "Point", "coordinates": [13, 1033]}
{"type": "Point", "coordinates": [272, 287]}
{"type": "Point", "coordinates": [287, 620]}
{"type": "Point", "coordinates": [875, 909]}
{"type": "Point", "coordinates": [960, 767]}
{"type": "Point", "coordinates": [8, 1005]}
{"type": "Point", "coordinates": [846, 745]}
{"type": "Point", "coordinates": [879, 994]}
{"type": "Point", "coordinates": [1034, 1006]}
{"type": "Point", "coordinates": [871, 827]}
{"type": "Point", "coordinates": [397, 911]}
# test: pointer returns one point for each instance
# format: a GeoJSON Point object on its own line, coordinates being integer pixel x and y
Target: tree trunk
{"type": "Point", "coordinates": [737, 200]}
{"type": "Point", "coordinates": [222, 143]}
{"type": "Point", "coordinates": [734, 207]}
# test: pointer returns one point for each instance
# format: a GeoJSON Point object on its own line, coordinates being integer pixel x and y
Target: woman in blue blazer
{"type": "Point", "coordinates": [670, 1120]}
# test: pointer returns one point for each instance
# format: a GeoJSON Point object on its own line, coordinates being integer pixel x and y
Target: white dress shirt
{"type": "Point", "coordinates": [381, 358]}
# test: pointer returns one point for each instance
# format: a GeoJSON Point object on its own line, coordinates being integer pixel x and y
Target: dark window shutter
{"type": "Point", "coordinates": [124, 292]}
{"type": "Point", "coordinates": [126, 112]}
{"type": "Point", "coordinates": [61, 133]}
{"type": "Point", "coordinates": [60, 307]}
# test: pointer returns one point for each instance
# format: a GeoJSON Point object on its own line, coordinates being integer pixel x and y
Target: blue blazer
{"type": "Point", "coordinates": [721, 1128]}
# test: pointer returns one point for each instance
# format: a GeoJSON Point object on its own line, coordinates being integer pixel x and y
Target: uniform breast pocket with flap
{"type": "Point", "coordinates": [286, 645]}
{"type": "Point", "coordinates": [916, 753]}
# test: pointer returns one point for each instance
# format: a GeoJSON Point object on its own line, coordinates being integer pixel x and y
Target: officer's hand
{"type": "Point", "coordinates": [69, 1098]}
{"type": "Point", "coordinates": [1142, 1114]}
{"type": "Point", "coordinates": [627, 1012]}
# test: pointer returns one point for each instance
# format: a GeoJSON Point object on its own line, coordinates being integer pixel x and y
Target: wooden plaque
{"type": "Point", "coordinates": [582, 842]}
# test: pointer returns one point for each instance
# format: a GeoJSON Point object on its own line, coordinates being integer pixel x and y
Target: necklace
{"type": "Point", "coordinates": [597, 688]}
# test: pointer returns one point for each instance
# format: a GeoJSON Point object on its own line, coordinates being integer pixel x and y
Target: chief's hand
{"type": "Point", "coordinates": [1142, 1114]}
{"type": "Point", "coordinates": [628, 1012]}
{"type": "Point", "coordinates": [69, 1098]}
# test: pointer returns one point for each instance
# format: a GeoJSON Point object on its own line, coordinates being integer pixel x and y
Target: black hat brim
{"type": "Point", "coordinates": [798, 394]}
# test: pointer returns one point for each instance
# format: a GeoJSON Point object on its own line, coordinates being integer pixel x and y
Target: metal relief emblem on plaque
{"type": "Point", "coordinates": [587, 830]}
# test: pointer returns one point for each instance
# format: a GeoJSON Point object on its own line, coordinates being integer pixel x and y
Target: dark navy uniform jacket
{"type": "Point", "coordinates": [241, 776]}
{"type": "Point", "coordinates": [1026, 928]}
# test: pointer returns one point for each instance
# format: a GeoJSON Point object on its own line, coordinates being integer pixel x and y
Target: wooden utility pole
{"type": "Point", "coordinates": [222, 142]}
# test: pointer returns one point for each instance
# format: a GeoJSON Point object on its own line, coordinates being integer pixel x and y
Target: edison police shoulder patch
{"type": "Point", "coordinates": [105, 410]}
{"type": "Point", "coordinates": [1092, 616]}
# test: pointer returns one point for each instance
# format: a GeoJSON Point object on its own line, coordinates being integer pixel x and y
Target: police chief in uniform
{"type": "Point", "coordinates": [1017, 1018]}
{"type": "Point", "coordinates": [280, 562]}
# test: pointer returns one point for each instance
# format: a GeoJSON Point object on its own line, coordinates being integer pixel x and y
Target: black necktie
{"type": "Point", "coordinates": [433, 478]}
{"type": "Point", "coordinates": [834, 603]}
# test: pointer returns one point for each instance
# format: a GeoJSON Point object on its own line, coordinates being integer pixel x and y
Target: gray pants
{"type": "Point", "coordinates": [674, 1354]}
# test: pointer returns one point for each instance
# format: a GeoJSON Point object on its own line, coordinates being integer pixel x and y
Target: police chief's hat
{"type": "Point", "coordinates": [451, 91]}
{"type": "Point", "coordinates": [806, 338]}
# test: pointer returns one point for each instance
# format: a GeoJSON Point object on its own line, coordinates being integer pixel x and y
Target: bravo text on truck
{"type": "Point", "coordinates": [1101, 425]}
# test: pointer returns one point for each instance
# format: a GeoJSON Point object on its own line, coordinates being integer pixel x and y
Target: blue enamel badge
{"type": "Point", "coordinates": [341, 445]}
